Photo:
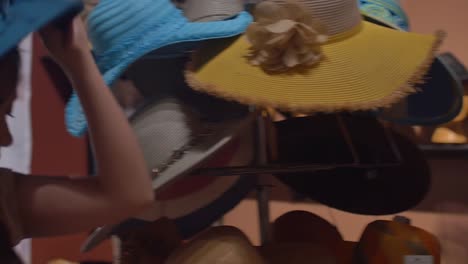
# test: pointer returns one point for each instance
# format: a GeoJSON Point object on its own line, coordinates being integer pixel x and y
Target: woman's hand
{"type": "Point", "coordinates": [65, 44]}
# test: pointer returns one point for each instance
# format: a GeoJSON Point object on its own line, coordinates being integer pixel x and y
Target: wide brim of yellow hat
{"type": "Point", "coordinates": [373, 68]}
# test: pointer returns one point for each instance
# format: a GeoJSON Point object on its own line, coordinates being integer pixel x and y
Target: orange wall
{"type": "Point", "coordinates": [55, 153]}
{"type": "Point", "coordinates": [450, 15]}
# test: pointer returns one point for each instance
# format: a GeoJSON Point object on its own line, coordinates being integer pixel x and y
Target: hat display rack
{"type": "Point", "coordinates": [450, 139]}
{"type": "Point", "coordinates": [113, 65]}
{"type": "Point", "coordinates": [261, 168]}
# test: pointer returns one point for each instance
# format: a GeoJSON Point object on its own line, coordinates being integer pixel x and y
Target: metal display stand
{"type": "Point", "coordinates": [262, 168]}
{"type": "Point", "coordinates": [263, 188]}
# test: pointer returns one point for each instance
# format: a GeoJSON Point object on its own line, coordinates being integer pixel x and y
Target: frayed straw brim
{"type": "Point", "coordinates": [374, 68]}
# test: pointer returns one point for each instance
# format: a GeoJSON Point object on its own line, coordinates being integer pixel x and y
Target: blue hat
{"type": "Point", "coordinates": [123, 31]}
{"type": "Point", "coordinates": [18, 18]}
{"type": "Point", "coordinates": [388, 12]}
{"type": "Point", "coordinates": [441, 96]}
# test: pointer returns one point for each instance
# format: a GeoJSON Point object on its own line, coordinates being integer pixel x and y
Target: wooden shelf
{"type": "Point", "coordinates": [445, 151]}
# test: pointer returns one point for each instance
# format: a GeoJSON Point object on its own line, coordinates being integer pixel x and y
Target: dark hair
{"type": "Point", "coordinates": [12, 54]}
{"type": "Point", "coordinates": [7, 253]}
{"type": "Point", "coordinates": [9, 72]}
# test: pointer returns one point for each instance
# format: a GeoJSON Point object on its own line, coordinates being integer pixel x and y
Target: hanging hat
{"type": "Point", "coordinates": [396, 241]}
{"type": "Point", "coordinates": [222, 244]}
{"type": "Point", "coordinates": [318, 55]}
{"type": "Point", "coordinates": [306, 230]}
{"type": "Point", "coordinates": [305, 227]}
{"type": "Point", "coordinates": [193, 203]}
{"type": "Point", "coordinates": [178, 130]}
{"type": "Point", "coordinates": [299, 237]}
{"type": "Point", "coordinates": [18, 18]}
{"type": "Point", "coordinates": [397, 176]}
{"type": "Point", "coordinates": [385, 12]}
{"type": "Point", "coordinates": [439, 101]}
{"type": "Point", "coordinates": [151, 243]}
{"type": "Point", "coordinates": [123, 31]}
{"type": "Point", "coordinates": [440, 97]}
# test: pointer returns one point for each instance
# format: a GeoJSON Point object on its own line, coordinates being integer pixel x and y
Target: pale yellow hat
{"type": "Point", "coordinates": [222, 245]}
{"type": "Point", "coordinates": [313, 55]}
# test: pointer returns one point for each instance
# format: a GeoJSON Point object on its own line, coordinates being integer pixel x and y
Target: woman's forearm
{"type": "Point", "coordinates": [121, 167]}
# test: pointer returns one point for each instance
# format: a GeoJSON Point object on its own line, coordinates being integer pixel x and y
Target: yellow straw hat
{"type": "Point", "coordinates": [313, 55]}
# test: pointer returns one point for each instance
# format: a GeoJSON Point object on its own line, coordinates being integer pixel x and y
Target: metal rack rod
{"type": "Point", "coordinates": [283, 168]}
{"type": "Point", "coordinates": [263, 189]}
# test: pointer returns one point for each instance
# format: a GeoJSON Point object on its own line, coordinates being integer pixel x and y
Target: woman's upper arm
{"type": "Point", "coordinates": [49, 206]}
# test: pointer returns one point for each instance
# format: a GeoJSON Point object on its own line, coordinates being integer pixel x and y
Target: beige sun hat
{"type": "Point", "coordinates": [222, 245]}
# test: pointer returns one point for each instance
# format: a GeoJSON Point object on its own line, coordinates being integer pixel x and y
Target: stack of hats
{"type": "Point", "coordinates": [142, 53]}
{"type": "Point", "coordinates": [198, 66]}
{"type": "Point", "coordinates": [381, 174]}
{"type": "Point", "coordinates": [440, 96]}
{"type": "Point", "coordinates": [299, 237]}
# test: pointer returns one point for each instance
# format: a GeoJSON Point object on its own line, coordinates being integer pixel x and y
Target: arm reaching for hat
{"type": "Point", "coordinates": [55, 206]}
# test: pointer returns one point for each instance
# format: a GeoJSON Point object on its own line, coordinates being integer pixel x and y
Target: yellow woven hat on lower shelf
{"type": "Point", "coordinates": [313, 55]}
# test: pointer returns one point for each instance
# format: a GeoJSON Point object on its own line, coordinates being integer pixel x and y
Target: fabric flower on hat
{"type": "Point", "coordinates": [284, 36]}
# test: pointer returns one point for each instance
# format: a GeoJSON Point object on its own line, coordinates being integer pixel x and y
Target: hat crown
{"type": "Point", "coordinates": [210, 10]}
{"type": "Point", "coordinates": [339, 16]}
{"type": "Point", "coordinates": [114, 22]}
{"type": "Point", "coordinates": [170, 120]}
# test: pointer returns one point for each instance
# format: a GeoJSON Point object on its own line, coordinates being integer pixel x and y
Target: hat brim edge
{"type": "Point", "coordinates": [75, 119]}
{"type": "Point", "coordinates": [58, 9]}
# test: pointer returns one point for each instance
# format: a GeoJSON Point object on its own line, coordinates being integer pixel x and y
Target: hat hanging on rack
{"type": "Point", "coordinates": [440, 97]}
{"type": "Point", "coordinates": [151, 243]}
{"type": "Point", "coordinates": [453, 132]}
{"type": "Point", "coordinates": [313, 55]}
{"type": "Point", "coordinates": [396, 241]}
{"type": "Point", "coordinates": [305, 227]}
{"type": "Point", "coordinates": [398, 180]}
{"type": "Point", "coordinates": [299, 236]}
{"type": "Point", "coordinates": [222, 244]}
{"type": "Point", "coordinates": [123, 32]}
{"type": "Point", "coordinates": [18, 18]}
{"type": "Point", "coordinates": [193, 203]}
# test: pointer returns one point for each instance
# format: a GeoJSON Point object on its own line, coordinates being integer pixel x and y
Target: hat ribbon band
{"type": "Point", "coordinates": [180, 152]}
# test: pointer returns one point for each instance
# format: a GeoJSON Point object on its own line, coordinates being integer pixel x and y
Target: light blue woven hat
{"type": "Point", "coordinates": [18, 18]}
{"type": "Point", "coordinates": [123, 31]}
